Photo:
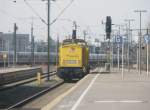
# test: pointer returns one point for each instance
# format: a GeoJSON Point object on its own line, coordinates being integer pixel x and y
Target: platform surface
{"type": "Point", "coordinates": [109, 92]}
{"type": "Point", "coordinates": [13, 69]}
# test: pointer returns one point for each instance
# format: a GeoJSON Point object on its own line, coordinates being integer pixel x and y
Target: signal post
{"type": "Point", "coordinates": [108, 34]}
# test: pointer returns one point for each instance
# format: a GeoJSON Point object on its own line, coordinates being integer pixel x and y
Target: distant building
{"type": "Point", "coordinates": [7, 42]}
{"type": "Point", "coordinates": [41, 46]}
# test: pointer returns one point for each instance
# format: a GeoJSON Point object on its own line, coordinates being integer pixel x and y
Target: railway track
{"type": "Point", "coordinates": [29, 97]}
{"type": "Point", "coordinates": [47, 95]}
{"type": "Point", "coordinates": [27, 100]}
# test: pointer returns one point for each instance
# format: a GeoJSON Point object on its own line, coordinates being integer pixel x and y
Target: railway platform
{"type": "Point", "coordinates": [12, 69]}
{"type": "Point", "coordinates": [106, 92]}
{"type": "Point", "coordinates": [11, 75]}
{"type": "Point", "coordinates": [18, 73]}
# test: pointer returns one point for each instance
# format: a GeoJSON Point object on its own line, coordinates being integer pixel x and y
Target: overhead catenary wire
{"type": "Point", "coordinates": [8, 14]}
{"type": "Point", "coordinates": [33, 10]}
{"type": "Point", "coordinates": [63, 10]}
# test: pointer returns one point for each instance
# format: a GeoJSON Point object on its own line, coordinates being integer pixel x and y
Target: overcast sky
{"type": "Point", "coordinates": [87, 13]}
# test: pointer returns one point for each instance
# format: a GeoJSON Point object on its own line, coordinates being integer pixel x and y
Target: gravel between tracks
{"type": "Point", "coordinates": [16, 94]}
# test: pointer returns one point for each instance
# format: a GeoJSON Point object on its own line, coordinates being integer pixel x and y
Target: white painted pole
{"type": "Point", "coordinates": [8, 50]}
{"type": "Point", "coordinates": [112, 54]}
{"type": "Point", "coordinates": [122, 57]}
{"type": "Point", "coordinates": [137, 59]}
{"type": "Point", "coordinates": [118, 56]}
{"type": "Point", "coordinates": [147, 58]}
{"type": "Point", "coordinates": [140, 55]}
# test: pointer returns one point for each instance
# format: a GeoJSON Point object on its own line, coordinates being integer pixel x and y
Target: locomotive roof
{"type": "Point", "coordinates": [77, 41]}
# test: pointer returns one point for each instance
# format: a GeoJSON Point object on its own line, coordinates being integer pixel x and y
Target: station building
{"type": "Point", "coordinates": [7, 42]}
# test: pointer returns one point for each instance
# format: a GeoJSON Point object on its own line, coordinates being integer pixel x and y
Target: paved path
{"type": "Point", "coordinates": [109, 92]}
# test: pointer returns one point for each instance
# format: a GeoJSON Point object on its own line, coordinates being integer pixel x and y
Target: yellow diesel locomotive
{"type": "Point", "coordinates": [73, 59]}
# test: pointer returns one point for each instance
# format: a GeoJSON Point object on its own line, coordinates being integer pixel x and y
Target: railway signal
{"type": "Point", "coordinates": [108, 27]}
{"type": "Point", "coordinates": [108, 34]}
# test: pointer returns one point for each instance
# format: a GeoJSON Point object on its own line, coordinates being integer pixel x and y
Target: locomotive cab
{"type": "Point", "coordinates": [73, 59]}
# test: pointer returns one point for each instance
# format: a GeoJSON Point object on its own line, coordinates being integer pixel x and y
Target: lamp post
{"type": "Point", "coordinates": [112, 51]}
{"type": "Point", "coordinates": [48, 35]}
{"type": "Point", "coordinates": [129, 40]}
{"type": "Point", "coordinates": [32, 45]}
{"type": "Point", "coordinates": [140, 34]}
{"type": "Point", "coordinates": [147, 38]}
{"type": "Point", "coordinates": [148, 55]}
{"type": "Point", "coordinates": [8, 51]}
{"type": "Point", "coordinates": [119, 52]}
{"type": "Point", "coordinates": [122, 57]}
{"type": "Point", "coordinates": [137, 57]}
{"type": "Point", "coordinates": [119, 38]}
{"type": "Point", "coordinates": [119, 49]}
{"type": "Point", "coordinates": [15, 44]}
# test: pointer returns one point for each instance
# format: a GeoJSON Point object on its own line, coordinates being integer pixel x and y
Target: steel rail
{"type": "Point", "coordinates": [27, 100]}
